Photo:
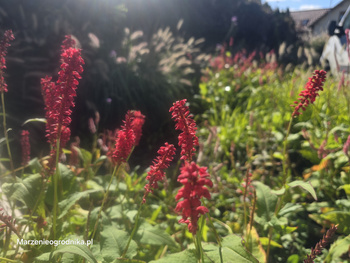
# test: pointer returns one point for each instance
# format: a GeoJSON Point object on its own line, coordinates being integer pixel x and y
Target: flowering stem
{"type": "Point", "coordinates": [55, 185]}
{"type": "Point", "coordinates": [133, 231]}
{"type": "Point", "coordinates": [5, 131]}
{"type": "Point", "coordinates": [285, 179]}
{"type": "Point", "coordinates": [217, 237]}
{"type": "Point", "coordinates": [284, 154]}
{"type": "Point", "coordinates": [198, 242]}
{"type": "Point", "coordinates": [115, 171]}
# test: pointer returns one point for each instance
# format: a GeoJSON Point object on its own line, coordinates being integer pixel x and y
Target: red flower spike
{"type": "Point", "coordinates": [125, 140]}
{"type": "Point", "coordinates": [185, 123]}
{"type": "Point", "coordinates": [156, 174]}
{"type": "Point", "coordinates": [194, 179]}
{"type": "Point", "coordinates": [59, 98]}
{"type": "Point", "coordinates": [25, 147]}
{"type": "Point", "coordinates": [136, 125]}
{"type": "Point", "coordinates": [4, 44]}
{"type": "Point", "coordinates": [309, 94]}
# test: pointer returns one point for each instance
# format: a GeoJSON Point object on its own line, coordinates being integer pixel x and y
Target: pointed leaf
{"type": "Point", "coordinates": [66, 204]}
{"type": "Point", "coordinates": [254, 245]}
{"type": "Point", "coordinates": [27, 190]}
{"type": "Point", "coordinates": [113, 243]}
{"type": "Point", "coordinates": [234, 251]}
{"type": "Point", "coordinates": [188, 256]}
{"type": "Point", "coordinates": [306, 186]}
{"type": "Point", "coordinates": [43, 120]}
{"type": "Point", "coordinates": [265, 242]}
{"type": "Point", "coordinates": [341, 218]}
{"type": "Point", "coordinates": [155, 236]}
{"type": "Point", "coordinates": [266, 203]}
{"type": "Point", "coordinates": [80, 250]}
{"type": "Point", "coordinates": [338, 248]}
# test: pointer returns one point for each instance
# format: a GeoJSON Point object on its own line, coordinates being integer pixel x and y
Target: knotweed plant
{"type": "Point", "coordinates": [131, 216]}
{"type": "Point", "coordinates": [59, 101]}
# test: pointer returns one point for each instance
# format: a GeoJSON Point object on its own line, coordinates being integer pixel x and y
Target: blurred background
{"type": "Point", "coordinates": [140, 55]}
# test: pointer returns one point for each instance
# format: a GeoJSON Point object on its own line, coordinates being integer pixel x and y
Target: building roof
{"type": "Point", "coordinates": [307, 18]}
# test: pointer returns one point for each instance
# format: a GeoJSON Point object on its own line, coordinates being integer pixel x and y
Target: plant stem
{"type": "Point", "coordinates": [133, 230]}
{"type": "Point", "coordinates": [22, 167]}
{"type": "Point", "coordinates": [285, 156]}
{"type": "Point", "coordinates": [217, 237]}
{"type": "Point", "coordinates": [55, 185]}
{"type": "Point", "coordinates": [5, 132]}
{"type": "Point", "coordinates": [285, 179]}
{"type": "Point", "coordinates": [8, 260]}
{"type": "Point", "coordinates": [115, 171]}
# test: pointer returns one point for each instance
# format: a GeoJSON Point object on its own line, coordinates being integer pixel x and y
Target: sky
{"type": "Point", "coordinates": [296, 5]}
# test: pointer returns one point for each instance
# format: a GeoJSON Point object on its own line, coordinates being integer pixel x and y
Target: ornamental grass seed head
{"type": "Point", "coordinates": [310, 92]}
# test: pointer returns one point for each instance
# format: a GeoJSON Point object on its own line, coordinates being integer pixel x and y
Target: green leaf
{"type": "Point", "coordinates": [266, 203]}
{"type": "Point", "coordinates": [253, 244]}
{"type": "Point", "coordinates": [279, 191]}
{"type": "Point", "coordinates": [45, 257]}
{"type": "Point", "coordinates": [66, 204]}
{"type": "Point", "coordinates": [80, 250]}
{"type": "Point", "coordinates": [128, 260]}
{"type": "Point", "coordinates": [113, 243]}
{"type": "Point", "coordinates": [156, 213]}
{"type": "Point", "coordinates": [43, 120]}
{"type": "Point", "coordinates": [101, 159]}
{"type": "Point", "coordinates": [341, 218]}
{"type": "Point", "coordinates": [289, 208]}
{"type": "Point", "coordinates": [337, 249]}
{"type": "Point", "coordinates": [35, 165]}
{"type": "Point", "coordinates": [115, 212]}
{"type": "Point", "coordinates": [305, 185]}
{"type": "Point", "coordinates": [346, 188]}
{"type": "Point", "coordinates": [85, 155]}
{"type": "Point", "coordinates": [233, 251]}
{"type": "Point", "coordinates": [293, 259]}
{"type": "Point", "coordinates": [188, 256]}
{"type": "Point", "coordinates": [27, 190]}
{"type": "Point", "coordinates": [154, 236]}
{"type": "Point", "coordinates": [293, 137]}
{"type": "Point", "coordinates": [278, 155]}
{"type": "Point", "coordinates": [265, 241]}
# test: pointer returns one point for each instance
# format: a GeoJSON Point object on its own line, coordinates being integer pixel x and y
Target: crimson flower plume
{"type": "Point", "coordinates": [136, 125]}
{"type": "Point", "coordinates": [59, 97]}
{"type": "Point", "coordinates": [125, 140]}
{"type": "Point", "coordinates": [194, 179]}
{"type": "Point", "coordinates": [4, 44]}
{"type": "Point", "coordinates": [310, 92]}
{"type": "Point", "coordinates": [156, 174]}
{"type": "Point", "coordinates": [185, 123]}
